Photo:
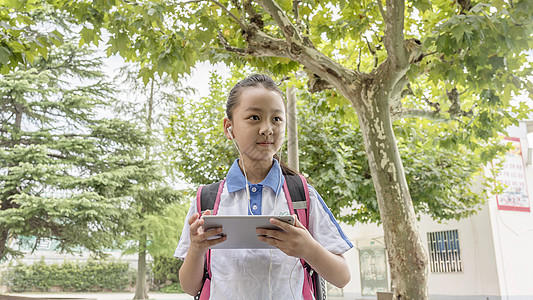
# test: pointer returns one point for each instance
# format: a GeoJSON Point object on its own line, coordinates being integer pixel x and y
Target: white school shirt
{"type": "Point", "coordinates": [244, 273]}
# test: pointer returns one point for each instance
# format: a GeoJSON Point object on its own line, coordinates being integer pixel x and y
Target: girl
{"type": "Point", "coordinates": [255, 121]}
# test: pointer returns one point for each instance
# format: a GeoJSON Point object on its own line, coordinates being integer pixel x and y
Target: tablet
{"type": "Point", "coordinates": [240, 230]}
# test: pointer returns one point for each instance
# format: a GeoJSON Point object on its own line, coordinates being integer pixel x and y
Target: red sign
{"type": "Point", "coordinates": [513, 177]}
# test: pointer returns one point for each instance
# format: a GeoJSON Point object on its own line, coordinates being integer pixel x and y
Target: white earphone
{"type": "Point", "coordinates": [230, 131]}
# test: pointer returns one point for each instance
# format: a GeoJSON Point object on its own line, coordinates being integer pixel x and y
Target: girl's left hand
{"type": "Point", "coordinates": [293, 240]}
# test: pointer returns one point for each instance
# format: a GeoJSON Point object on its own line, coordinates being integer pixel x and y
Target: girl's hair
{"type": "Point", "coordinates": [255, 80]}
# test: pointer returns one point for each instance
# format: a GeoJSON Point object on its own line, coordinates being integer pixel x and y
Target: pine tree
{"type": "Point", "coordinates": [67, 169]}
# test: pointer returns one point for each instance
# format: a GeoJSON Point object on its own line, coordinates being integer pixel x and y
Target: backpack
{"type": "Point", "coordinates": [297, 192]}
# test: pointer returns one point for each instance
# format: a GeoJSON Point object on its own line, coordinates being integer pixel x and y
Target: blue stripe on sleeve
{"type": "Point", "coordinates": [332, 218]}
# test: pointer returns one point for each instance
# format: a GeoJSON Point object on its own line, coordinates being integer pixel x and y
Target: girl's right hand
{"type": "Point", "coordinates": [200, 239]}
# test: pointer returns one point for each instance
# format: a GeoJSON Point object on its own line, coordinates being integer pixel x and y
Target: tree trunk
{"type": "Point", "coordinates": [141, 291]}
{"type": "Point", "coordinates": [5, 202]}
{"type": "Point", "coordinates": [407, 257]}
{"type": "Point", "coordinates": [292, 130]}
{"type": "Point", "coordinates": [4, 235]}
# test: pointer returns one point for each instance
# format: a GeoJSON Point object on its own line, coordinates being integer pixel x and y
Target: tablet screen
{"type": "Point", "coordinates": [240, 230]}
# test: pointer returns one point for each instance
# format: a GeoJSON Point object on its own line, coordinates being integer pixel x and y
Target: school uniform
{"type": "Point", "coordinates": [244, 274]}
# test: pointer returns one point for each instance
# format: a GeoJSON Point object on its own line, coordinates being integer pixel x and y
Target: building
{"type": "Point", "coordinates": [47, 249]}
{"type": "Point", "coordinates": [488, 256]}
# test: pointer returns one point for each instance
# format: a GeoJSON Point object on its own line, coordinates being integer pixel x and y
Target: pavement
{"type": "Point", "coordinates": [114, 296]}
{"type": "Point", "coordinates": [103, 296]}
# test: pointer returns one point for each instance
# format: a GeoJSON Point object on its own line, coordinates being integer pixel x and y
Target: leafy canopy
{"type": "Point", "coordinates": [333, 157]}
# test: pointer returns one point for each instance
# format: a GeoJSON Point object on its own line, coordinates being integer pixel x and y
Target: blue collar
{"type": "Point", "coordinates": [235, 179]}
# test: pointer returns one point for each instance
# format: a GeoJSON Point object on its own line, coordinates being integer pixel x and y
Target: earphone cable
{"type": "Point", "coordinates": [270, 272]}
{"type": "Point", "coordinates": [290, 279]}
{"type": "Point", "coordinates": [244, 171]}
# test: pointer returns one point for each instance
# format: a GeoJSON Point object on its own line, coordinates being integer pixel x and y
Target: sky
{"type": "Point", "coordinates": [198, 80]}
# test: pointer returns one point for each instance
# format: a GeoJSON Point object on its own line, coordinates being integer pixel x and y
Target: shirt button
{"type": "Point", "coordinates": [254, 207]}
{"type": "Point", "coordinates": [254, 189]}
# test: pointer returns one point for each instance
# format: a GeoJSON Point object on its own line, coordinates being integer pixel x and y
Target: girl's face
{"type": "Point", "coordinates": [258, 124]}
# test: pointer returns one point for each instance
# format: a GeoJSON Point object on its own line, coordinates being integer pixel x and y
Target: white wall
{"type": "Point", "coordinates": [515, 253]}
{"type": "Point", "coordinates": [513, 232]}
{"type": "Point", "coordinates": [360, 234]}
{"type": "Point", "coordinates": [479, 276]}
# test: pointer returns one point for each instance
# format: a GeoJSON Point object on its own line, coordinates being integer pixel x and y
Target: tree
{"type": "Point", "coordinates": [194, 140]}
{"type": "Point", "coordinates": [23, 36]}
{"type": "Point", "coordinates": [148, 105]}
{"type": "Point", "coordinates": [164, 231]}
{"type": "Point", "coordinates": [66, 171]}
{"type": "Point", "coordinates": [456, 62]}
{"type": "Point", "coordinates": [333, 157]}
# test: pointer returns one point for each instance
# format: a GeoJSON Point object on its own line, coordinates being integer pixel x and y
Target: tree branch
{"type": "Point", "coordinates": [227, 46]}
{"type": "Point", "coordinates": [455, 107]}
{"type": "Point", "coordinates": [261, 44]}
{"type": "Point", "coordinates": [435, 105]}
{"type": "Point", "coordinates": [290, 31]}
{"type": "Point", "coordinates": [394, 37]}
{"type": "Point", "coordinates": [316, 83]}
{"type": "Point", "coordinates": [359, 61]}
{"type": "Point", "coordinates": [299, 49]}
{"type": "Point", "coordinates": [295, 4]}
{"type": "Point", "coordinates": [249, 9]}
{"type": "Point", "coordinates": [419, 113]}
{"type": "Point", "coordinates": [373, 52]}
{"type": "Point", "coordinates": [241, 24]}
{"type": "Point", "coordinates": [383, 15]}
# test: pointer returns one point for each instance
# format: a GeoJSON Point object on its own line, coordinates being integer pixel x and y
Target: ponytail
{"type": "Point", "coordinates": [285, 169]}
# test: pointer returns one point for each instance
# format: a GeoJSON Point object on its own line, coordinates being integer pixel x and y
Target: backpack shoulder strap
{"type": "Point", "coordinates": [208, 197]}
{"type": "Point", "coordinates": [297, 193]}
{"type": "Point", "coordinates": [295, 187]}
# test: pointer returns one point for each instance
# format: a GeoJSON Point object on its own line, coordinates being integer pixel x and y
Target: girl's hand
{"type": "Point", "coordinates": [200, 239]}
{"type": "Point", "coordinates": [293, 240]}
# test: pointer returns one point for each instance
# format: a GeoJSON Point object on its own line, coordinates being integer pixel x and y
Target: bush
{"type": "Point", "coordinates": [171, 288]}
{"type": "Point", "coordinates": [165, 273]}
{"type": "Point", "coordinates": [90, 276]}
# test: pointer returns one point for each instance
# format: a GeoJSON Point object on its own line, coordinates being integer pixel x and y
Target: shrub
{"type": "Point", "coordinates": [165, 272]}
{"type": "Point", "coordinates": [90, 276]}
{"type": "Point", "coordinates": [171, 288]}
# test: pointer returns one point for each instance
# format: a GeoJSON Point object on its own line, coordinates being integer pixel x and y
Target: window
{"type": "Point", "coordinates": [44, 244]}
{"type": "Point", "coordinates": [444, 252]}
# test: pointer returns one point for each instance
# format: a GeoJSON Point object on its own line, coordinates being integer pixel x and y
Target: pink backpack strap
{"type": "Point", "coordinates": [199, 200]}
{"type": "Point", "coordinates": [307, 289]}
{"type": "Point", "coordinates": [217, 200]}
{"type": "Point", "coordinates": [303, 217]}
{"type": "Point", "coordinates": [206, 288]}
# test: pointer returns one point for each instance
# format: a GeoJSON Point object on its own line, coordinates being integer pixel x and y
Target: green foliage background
{"type": "Point", "coordinates": [442, 176]}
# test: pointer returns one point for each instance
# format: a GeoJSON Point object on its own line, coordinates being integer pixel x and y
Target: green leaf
{"type": "Point", "coordinates": [4, 55]}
